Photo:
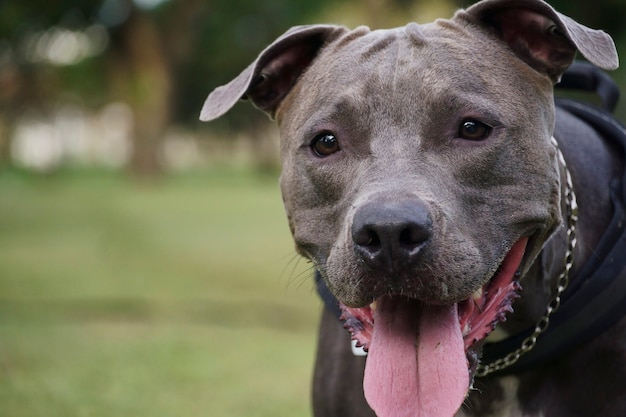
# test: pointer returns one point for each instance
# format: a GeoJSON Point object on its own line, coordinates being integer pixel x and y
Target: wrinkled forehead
{"type": "Point", "coordinates": [442, 55]}
{"type": "Point", "coordinates": [419, 65]}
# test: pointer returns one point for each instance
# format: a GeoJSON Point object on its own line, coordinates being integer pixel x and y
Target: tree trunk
{"type": "Point", "coordinates": [143, 79]}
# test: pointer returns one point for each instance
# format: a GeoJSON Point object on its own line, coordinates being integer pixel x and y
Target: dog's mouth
{"type": "Point", "coordinates": [422, 357]}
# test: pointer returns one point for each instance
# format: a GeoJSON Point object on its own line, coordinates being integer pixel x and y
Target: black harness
{"type": "Point", "coordinates": [596, 297]}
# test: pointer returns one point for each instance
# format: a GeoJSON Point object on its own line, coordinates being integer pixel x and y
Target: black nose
{"type": "Point", "coordinates": [388, 235]}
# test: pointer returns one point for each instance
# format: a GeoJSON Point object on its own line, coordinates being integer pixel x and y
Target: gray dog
{"type": "Point", "coordinates": [422, 178]}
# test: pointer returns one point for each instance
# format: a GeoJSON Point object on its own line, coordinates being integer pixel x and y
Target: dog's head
{"type": "Point", "coordinates": [419, 176]}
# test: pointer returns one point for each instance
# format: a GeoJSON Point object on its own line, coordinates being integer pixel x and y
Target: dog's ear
{"type": "Point", "coordinates": [275, 71]}
{"type": "Point", "coordinates": [543, 37]}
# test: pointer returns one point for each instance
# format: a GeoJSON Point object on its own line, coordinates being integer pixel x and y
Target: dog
{"type": "Point", "coordinates": [452, 212]}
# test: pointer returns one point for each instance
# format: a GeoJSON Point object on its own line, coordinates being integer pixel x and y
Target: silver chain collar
{"type": "Point", "coordinates": [544, 321]}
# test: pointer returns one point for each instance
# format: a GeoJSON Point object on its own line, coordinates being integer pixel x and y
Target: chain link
{"type": "Point", "coordinates": [562, 282]}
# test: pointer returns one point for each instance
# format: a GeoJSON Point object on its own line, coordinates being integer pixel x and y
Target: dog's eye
{"type": "Point", "coordinates": [325, 144]}
{"type": "Point", "coordinates": [474, 130]}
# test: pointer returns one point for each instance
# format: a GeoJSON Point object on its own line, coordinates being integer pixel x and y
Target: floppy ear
{"type": "Point", "coordinates": [542, 37]}
{"type": "Point", "coordinates": [275, 71]}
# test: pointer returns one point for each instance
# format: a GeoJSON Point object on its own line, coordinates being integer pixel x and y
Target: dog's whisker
{"type": "Point", "coordinates": [302, 277]}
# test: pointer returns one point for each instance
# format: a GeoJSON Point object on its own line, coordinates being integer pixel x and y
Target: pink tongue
{"type": "Point", "coordinates": [416, 364]}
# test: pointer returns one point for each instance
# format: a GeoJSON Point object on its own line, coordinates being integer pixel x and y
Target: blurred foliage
{"type": "Point", "coordinates": [204, 43]}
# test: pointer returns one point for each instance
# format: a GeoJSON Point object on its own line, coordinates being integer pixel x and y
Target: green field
{"type": "Point", "coordinates": [178, 297]}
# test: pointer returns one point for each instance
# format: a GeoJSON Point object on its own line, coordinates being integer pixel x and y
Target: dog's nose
{"type": "Point", "coordinates": [388, 235]}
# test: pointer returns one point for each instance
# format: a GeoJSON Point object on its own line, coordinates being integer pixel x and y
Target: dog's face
{"type": "Point", "coordinates": [419, 177]}
{"type": "Point", "coordinates": [393, 121]}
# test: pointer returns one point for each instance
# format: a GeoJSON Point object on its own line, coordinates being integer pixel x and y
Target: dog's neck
{"type": "Point", "coordinates": [601, 304]}
{"type": "Point", "coordinates": [498, 356]}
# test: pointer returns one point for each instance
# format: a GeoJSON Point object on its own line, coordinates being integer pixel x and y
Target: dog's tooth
{"type": "Point", "coordinates": [478, 294]}
{"type": "Point", "coordinates": [373, 305]}
{"type": "Point", "coordinates": [466, 329]}
{"type": "Point", "coordinates": [357, 350]}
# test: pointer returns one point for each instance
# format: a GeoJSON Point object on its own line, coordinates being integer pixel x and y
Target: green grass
{"type": "Point", "coordinates": [181, 297]}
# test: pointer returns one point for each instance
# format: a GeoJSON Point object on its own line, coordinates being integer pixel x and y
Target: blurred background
{"type": "Point", "coordinates": [146, 267]}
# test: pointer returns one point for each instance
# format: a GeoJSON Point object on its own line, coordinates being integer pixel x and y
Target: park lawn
{"type": "Point", "coordinates": [176, 297]}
